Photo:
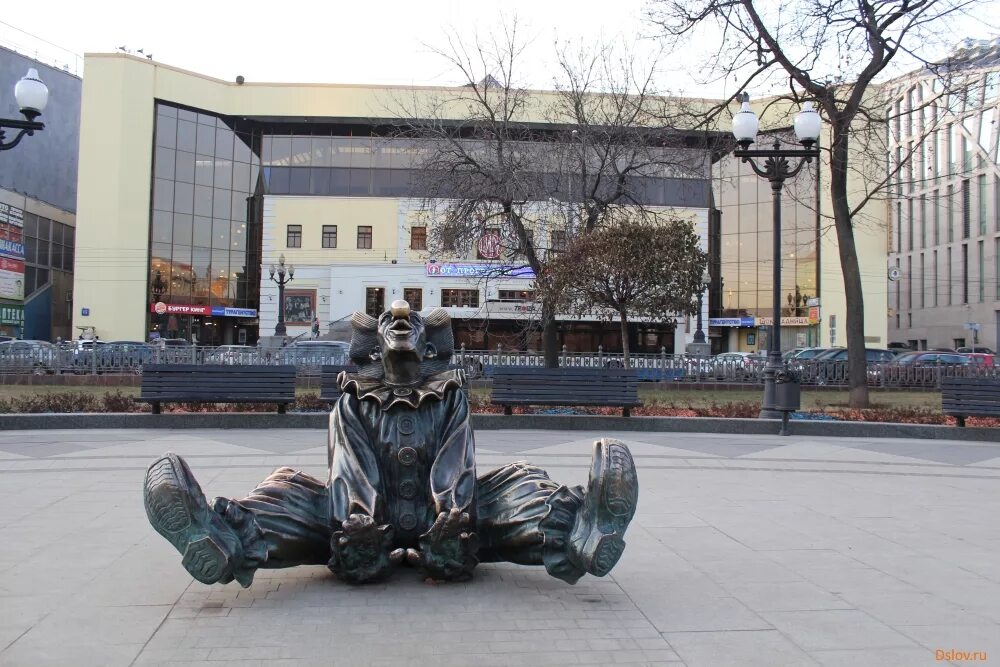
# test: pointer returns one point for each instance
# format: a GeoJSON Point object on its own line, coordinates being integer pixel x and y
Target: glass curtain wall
{"type": "Point", "coordinates": [205, 220]}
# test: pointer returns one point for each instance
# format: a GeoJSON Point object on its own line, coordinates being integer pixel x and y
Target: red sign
{"type": "Point", "coordinates": [178, 309]}
{"type": "Point", "coordinates": [15, 265]}
{"type": "Point", "coordinates": [10, 233]}
{"type": "Point", "coordinates": [489, 246]}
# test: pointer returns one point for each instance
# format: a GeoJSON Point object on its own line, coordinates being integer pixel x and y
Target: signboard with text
{"type": "Point", "coordinates": [448, 270]}
{"type": "Point", "coordinates": [785, 321]}
{"type": "Point", "coordinates": [161, 308]}
{"type": "Point", "coordinates": [745, 321]}
{"type": "Point", "coordinates": [11, 252]}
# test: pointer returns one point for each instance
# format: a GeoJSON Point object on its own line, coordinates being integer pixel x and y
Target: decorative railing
{"type": "Point", "coordinates": [20, 357]}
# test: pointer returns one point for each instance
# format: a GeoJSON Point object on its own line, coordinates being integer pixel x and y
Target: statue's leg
{"type": "Point", "coordinates": [526, 518]}
{"type": "Point", "coordinates": [281, 523]}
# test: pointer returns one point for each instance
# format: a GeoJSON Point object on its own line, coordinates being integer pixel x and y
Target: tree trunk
{"type": "Point", "coordinates": [857, 367]}
{"type": "Point", "coordinates": [624, 320]}
{"type": "Point", "coordinates": [550, 337]}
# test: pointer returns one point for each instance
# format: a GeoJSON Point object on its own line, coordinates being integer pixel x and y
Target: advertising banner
{"type": "Point", "coordinates": [161, 308]}
{"type": "Point", "coordinates": [11, 215]}
{"type": "Point", "coordinates": [785, 321]}
{"type": "Point", "coordinates": [744, 321]}
{"type": "Point", "coordinates": [12, 314]}
{"type": "Point", "coordinates": [449, 270]}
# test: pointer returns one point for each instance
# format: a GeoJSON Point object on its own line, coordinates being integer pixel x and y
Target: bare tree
{"type": "Point", "coordinates": [639, 269]}
{"type": "Point", "coordinates": [498, 158]}
{"type": "Point", "coordinates": [833, 52]}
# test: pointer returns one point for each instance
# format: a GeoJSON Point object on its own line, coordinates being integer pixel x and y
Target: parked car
{"type": "Point", "coordinates": [124, 355]}
{"type": "Point", "coordinates": [315, 353]}
{"type": "Point", "coordinates": [975, 349]}
{"type": "Point", "coordinates": [981, 360]}
{"type": "Point", "coordinates": [28, 356]}
{"type": "Point", "coordinates": [736, 366]}
{"type": "Point", "coordinates": [831, 367]}
{"type": "Point", "coordinates": [233, 355]}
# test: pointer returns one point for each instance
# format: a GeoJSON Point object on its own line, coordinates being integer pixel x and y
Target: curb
{"type": "Point", "coordinates": [491, 422]}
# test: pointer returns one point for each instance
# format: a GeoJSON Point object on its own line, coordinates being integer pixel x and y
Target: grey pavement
{"type": "Point", "coordinates": [746, 550]}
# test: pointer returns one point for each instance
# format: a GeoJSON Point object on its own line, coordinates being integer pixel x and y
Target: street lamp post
{"type": "Point", "coordinates": [706, 281]}
{"type": "Point", "coordinates": [776, 169]}
{"type": "Point", "coordinates": [31, 95]}
{"type": "Point", "coordinates": [285, 276]}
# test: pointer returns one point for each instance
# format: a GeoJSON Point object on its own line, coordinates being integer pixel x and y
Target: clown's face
{"type": "Point", "coordinates": [401, 332]}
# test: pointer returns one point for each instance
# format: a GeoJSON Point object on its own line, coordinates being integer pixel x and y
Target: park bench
{"type": "Point", "coordinates": [531, 385]}
{"type": "Point", "coordinates": [970, 397]}
{"type": "Point", "coordinates": [203, 383]}
{"type": "Point", "coordinates": [329, 390]}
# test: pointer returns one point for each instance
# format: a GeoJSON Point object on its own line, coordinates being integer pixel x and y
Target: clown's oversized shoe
{"type": "Point", "coordinates": [596, 541]}
{"type": "Point", "coordinates": [177, 509]}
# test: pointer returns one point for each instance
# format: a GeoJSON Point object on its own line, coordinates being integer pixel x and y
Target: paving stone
{"type": "Point", "coordinates": [806, 554]}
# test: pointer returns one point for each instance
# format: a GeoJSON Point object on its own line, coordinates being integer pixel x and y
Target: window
{"type": "Point", "coordinates": [415, 297]}
{"type": "Point", "coordinates": [364, 238]}
{"type": "Point", "coordinates": [418, 238]}
{"type": "Point", "coordinates": [981, 283]}
{"type": "Point", "coordinates": [558, 240]}
{"type": "Point", "coordinates": [909, 224]}
{"type": "Point", "coordinates": [934, 270]}
{"type": "Point", "coordinates": [899, 227]}
{"type": "Point", "coordinates": [329, 236]}
{"type": "Point", "coordinates": [923, 285]}
{"type": "Point", "coordinates": [374, 300]}
{"type": "Point", "coordinates": [951, 282]}
{"type": "Point", "coordinates": [516, 295]}
{"type": "Point", "coordinates": [965, 273]}
{"type": "Point", "coordinates": [293, 236]}
{"type": "Point", "coordinates": [949, 203]}
{"type": "Point", "coordinates": [966, 208]}
{"type": "Point", "coordinates": [936, 205]}
{"type": "Point", "coordinates": [461, 298]}
{"type": "Point", "coordinates": [981, 196]}
{"type": "Point", "coordinates": [909, 282]}
{"type": "Point", "coordinates": [923, 221]}
{"type": "Point", "coordinates": [996, 265]}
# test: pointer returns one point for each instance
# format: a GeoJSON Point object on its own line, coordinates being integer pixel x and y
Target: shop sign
{"type": "Point", "coordinates": [11, 314]}
{"type": "Point", "coordinates": [730, 321]}
{"type": "Point", "coordinates": [489, 246]}
{"type": "Point", "coordinates": [520, 307]}
{"type": "Point", "coordinates": [448, 270]}
{"type": "Point", "coordinates": [220, 311]}
{"type": "Point", "coordinates": [11, 215]}
{"type": "Point", "coordinates": [161, 308]}
{"type": "Point", "coordinates": [812, 301]}
{"type": "Point", "coordinates": [11, 278]}
{"type": "Point", "coordinates": [785, 321]}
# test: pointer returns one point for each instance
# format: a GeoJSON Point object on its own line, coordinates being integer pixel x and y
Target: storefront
{"type": "Point", "coordinates": [203, 325]}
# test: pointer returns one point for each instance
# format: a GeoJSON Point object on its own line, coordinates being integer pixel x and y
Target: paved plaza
{"type": "Point", "coordinates": [746, 550]}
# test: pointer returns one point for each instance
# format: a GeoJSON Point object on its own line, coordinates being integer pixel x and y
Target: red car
{"type": "Point", "coordinates": [982, 359]}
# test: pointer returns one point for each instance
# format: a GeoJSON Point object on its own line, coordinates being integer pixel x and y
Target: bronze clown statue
{"type": "Point", "coordinates": [402, 485]}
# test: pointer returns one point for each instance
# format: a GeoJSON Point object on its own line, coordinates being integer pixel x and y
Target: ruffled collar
{"type": "Point", "coordinates": [375, 389]}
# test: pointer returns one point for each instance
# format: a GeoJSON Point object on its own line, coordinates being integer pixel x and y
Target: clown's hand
{"type": "Point", "coordinates": [448, 549]}
{"type": "Point", "coordinates": [360, 552]}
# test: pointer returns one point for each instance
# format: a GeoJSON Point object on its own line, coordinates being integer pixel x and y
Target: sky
{"type": "Point", "coordinates": [387, 42]}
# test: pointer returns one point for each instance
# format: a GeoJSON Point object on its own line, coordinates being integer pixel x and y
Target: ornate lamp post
{"type": "Point", "coordinates": [158, 288]}
{"type": "Point", "coordinates": [285, 276]}
{"type": "Point", "coordinates": [775, 169]}
{"type": "Point", "coordinates": [31, 95]}
{"type": "Point", "coordinates": [706, 281]}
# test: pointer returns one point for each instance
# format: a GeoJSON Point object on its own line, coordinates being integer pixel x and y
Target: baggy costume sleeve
{"type": "Point", "coordinates": [453, 473]}
{"type": "Point", "coordinates": [355, 476]}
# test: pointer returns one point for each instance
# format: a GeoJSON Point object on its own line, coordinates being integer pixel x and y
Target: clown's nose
{"type": "Point", "coordinates": [400, 309]}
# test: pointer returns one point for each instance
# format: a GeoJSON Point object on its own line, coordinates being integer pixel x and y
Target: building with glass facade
{"type": "Point", "coordinates": [193, 187]}
{"type": "Point", "coordinates": [38, 180]}
{"type": "Point", "coordinates": [944, 233]}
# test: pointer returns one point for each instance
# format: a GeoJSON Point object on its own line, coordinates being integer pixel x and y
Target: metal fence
{"type": "Point", "coordinates": [27, 357]}
{"type": "Point", "coordinates": [21, 357]}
